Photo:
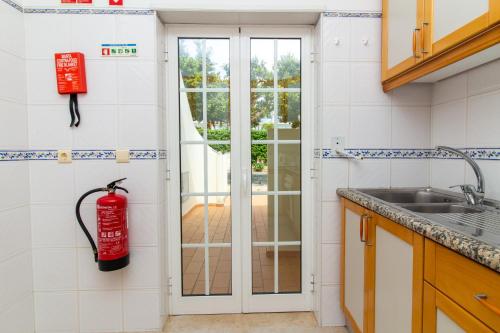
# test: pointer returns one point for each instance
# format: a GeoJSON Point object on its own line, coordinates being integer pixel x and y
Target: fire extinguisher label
{"type": "Point", "coordinates": [112, 232]}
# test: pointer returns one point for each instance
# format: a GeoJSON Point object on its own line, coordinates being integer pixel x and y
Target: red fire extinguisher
{"type": "Point", "coordinates": [112, 227]}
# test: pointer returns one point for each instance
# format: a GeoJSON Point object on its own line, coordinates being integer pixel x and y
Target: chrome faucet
{"type": "Point", "coordinates": [473, 195]}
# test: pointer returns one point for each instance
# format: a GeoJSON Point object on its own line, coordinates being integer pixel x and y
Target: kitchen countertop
{"type": "Point", "coordinates": [481, 252]}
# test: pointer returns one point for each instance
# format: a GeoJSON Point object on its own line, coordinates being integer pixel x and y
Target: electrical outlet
{"type": "Point", "coordinates": [338, 143]}
{"type": "Point", "coordinates": [64, 156]}
{"type": "Point", "coordinates": [122, 156]}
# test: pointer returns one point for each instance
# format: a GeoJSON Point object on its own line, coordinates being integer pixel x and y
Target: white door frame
{"type": "Point", "coordinates": [200, 304]}
{"type": "Point", "coordinates": [279, 302]}
{"type": "Point", "coordinates": [241, 299]}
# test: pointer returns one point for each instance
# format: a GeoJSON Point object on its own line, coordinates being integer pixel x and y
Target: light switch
{"type": "Point", "coordinates": [64, 156]}
{"type": "Point", "coordinates": [122, 156]}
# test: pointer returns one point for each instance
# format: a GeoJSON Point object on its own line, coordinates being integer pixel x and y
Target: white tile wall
{"type": "Point", "coordinates": [410, 127]}
{"type": "Point", "coordinates": [370, 127]}
{"type": "Point", "coordinates": [101, 311]}
{"type": "Point", "coordinates": [16, 273]}
{"type": "Point", "coordinates": [56, 311]}
{"type": "Point", "coordinates": [120, 111]}
{"type": "Point", "coordinates": [336, 83]}
{"type": "Point", "coordinates": [409, 173]}
{"type": "Point", "coordinates": [448, 123]}
{"type": "Point", "coordinates": [465, 114]}
{"type": "Point", "coordinates": [483, 119]}
{"type": "Point", "coordinates": [141, 310]}
{"type": "Point", "coordinates": [370, 173]}
{"type": "Point", "coordinates": [14, 132]}
{"type": "Point", "coordinates": [14, 227]}
{"type": "Point", "coordinates": [365, 86]}
{"type": "Point", "coordinates": [355, 107]}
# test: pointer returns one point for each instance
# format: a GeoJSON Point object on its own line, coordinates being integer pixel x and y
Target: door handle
{"type": "Point", "coordinates": [245, 180]}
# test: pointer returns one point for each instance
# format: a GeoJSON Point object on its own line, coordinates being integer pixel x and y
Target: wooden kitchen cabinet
{"type": "Point", "coordinates": [402, 35]}
{"type": "Point", "coordinates": [422, 36]}
{"type": "Point", "coordinates": [442, 315]}
{"type": "Point", "coordinates": [382, 265]}
{"type": "Point", "coordinates": [399, 268]}
{"type": "Point", "coordinates": [396, 281]}
{"type": "Point", "coordinates": [355, 267]}
{"type": "Point", "coordinates": [473, 289]}
{"type": "Point", "coordinates": [453, 21]}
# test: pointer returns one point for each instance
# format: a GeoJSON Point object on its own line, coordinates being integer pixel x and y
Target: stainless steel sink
{"type": "Point", "coordinates": [442, 209]}
{"type": "Point", "coordinates": [447, 209]}
{"type": "Point", "coordinates": [404, 196]}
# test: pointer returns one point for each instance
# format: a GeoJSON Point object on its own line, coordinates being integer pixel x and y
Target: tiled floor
{"type": "Point", "coordinates": [219, 231]}
{"type": "Point", "coordinates": [297, 322]}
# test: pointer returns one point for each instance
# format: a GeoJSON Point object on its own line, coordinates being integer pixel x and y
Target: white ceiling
{"type": "Point", "coordinates": [243, 18]}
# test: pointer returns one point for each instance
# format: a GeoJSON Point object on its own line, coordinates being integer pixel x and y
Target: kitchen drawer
{"type": "Point", "coordinates": [462, 280]}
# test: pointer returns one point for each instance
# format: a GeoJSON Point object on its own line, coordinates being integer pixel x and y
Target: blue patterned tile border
{"type": "Point", "coordinates": [490, 154]}
{"type": "Point", "coordinates": [88, 11]}
{"type": "Point", "coordinates": [77, 155]}
{"type": "Point", "coordinates": [391, 153]}
{"type": "Point", "coordinates": [14, 5]}
{"type": "Point", "coordinates": [475, 153]}
{"type": "Point", "coordinates": [93, 155]}
{"type": "Point", "coordinates": [353, 14]}
{"type": "Point", "coordinates": [144, 154]}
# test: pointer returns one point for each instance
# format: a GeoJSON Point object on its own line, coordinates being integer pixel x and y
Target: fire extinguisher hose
{"type": "Point", "coordinates": [79, 218]}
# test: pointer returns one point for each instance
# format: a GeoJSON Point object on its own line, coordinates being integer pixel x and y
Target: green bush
{"type": "Point", "coordinates": [259, 151]}
{"type": "Point", "coordinates": [258, 166]}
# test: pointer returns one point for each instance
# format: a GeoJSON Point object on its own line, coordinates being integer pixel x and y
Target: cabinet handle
{"type": "Point", "coordinates": [368, 241]}
{"type": "Point", "coordinates": [362, 228]}
{"type": "Point", "coordinates": [415, 55]}
{"type": "Point", "coordinates": [422, 39]}
{"type": "Point", "coordinates": [482, 298]}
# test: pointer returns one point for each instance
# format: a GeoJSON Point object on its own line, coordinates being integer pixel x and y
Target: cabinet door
{"type": "Point", "coordinates": [398, 259]}
{"type": "Point", "coordinates": [494, 12]}
{"type": "Point", "coordinates": [401, 35]}
{"type": "Point", "coordinates": [453, 21]}
{"type": "Point", "coordinates": [442, 315]}
{"type": "Point", "coordinates": [354, 267]}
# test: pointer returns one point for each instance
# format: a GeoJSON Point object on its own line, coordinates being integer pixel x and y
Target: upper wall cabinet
{"type": "Point", "coordinates": [402, 36]}
{"type": "Point", "coordinates": [423, 36]}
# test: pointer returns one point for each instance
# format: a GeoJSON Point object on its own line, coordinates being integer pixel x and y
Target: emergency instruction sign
{"type": "Point", "coordinates": [119, 50]}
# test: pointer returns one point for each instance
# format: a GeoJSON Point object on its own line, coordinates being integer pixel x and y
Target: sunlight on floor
{"type": "Point", "coordinates": [298, 322]}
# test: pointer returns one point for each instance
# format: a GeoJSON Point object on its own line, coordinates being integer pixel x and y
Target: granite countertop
{"type": "Point", "coordinates": [472, 248]}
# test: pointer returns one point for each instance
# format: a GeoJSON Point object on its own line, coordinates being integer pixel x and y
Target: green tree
{"type": "Point", "coordinates": [261, 104]}
{"type": "Point", "coordinates": [191, 68]}
{"type": "Point", "coordinates": [288, 69]}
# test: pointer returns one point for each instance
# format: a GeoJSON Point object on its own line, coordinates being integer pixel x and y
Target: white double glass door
{"type": "Point", "coordinates": [239, 225]}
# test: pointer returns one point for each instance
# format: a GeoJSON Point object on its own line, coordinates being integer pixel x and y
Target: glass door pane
{"type": "Point", "coordinates": [275, 112]}
{"type": "Point", "coordinates": [205, 148]}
